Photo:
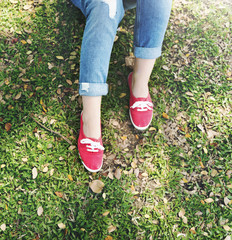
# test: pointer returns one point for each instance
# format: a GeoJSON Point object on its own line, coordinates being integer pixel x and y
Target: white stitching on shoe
{"type": "Point", "coordinates": [142, 106]}
{"type": "Point", "coordinates": [93, 147]}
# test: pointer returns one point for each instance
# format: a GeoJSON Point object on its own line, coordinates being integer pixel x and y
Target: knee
{"type": "Point", "coordinates": [106, 9]}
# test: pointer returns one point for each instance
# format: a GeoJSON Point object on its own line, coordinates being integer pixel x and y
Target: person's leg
{"type": "Point", "coordinates": [141, 75]}
{"type": "Point", "coordinates": [151, 23]}
{"type": "Point", "coordinates": [102, 19]}
{"type": "Point", "coordinates": [150, 26]}
{"type": "Point", "coordinates": [91, 116]}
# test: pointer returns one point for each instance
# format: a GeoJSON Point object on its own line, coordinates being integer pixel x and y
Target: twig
{"type": "Point", "coordinates": [54, 132]}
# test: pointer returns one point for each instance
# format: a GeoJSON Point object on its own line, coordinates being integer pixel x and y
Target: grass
{"type": "Point", "coordinates": [175, 180]}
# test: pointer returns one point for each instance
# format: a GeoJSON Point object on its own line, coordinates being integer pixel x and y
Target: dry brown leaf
{"type": "Point", "coordinates": [227, 228]}
{"type": "Point", "coordinates": [111, 228]}
{"type": "Point", "coordinates": [72, 147]}
{"type": "Point", "coordinates": [124, 138]}
{"type": "Point", "coordinates": [133, 165]}
{"type": "Point", "coordinates": [181, 212]}
{"type": "Point", "coordinates": [45, 169]}
{"type": "Point", "coordinates": [110, 175]}
{"type": "Point", "coordinates": [8, 126]}
{"type": "Point", "coordinates": [187, 135]}
{"type": "Point", "coordinates": [70, 177]}
{"type": "Point", "coordinates": [130, 61]}
{"type": "Point", "coordinates": [228, 238]}
{"type": "Point", "coordinates": [192, 230]}
{"type": "Point", "coordinates": [209, 200]}
{"type": "Point", "coordinates": [227, 201]}
{"type": "Point", "coordinates": [96, 186]}
{"type": "Point", "coordinates": [117, 173]}
{"type": "Point", "coordinates": [108, 238]}
{"type": "Point", "coordinates": [105, 213]}
{"type": "Point", "coordinates": [51, 172]}
{"type": "Point", "coordinates": [189, 94]}
{"type": "Point", "coordinates": [23, 42]}
{"type": "Point", "coordinates": [185, 220]}
{"type": "Point", "coordinates": [60, 57]}
{"type": "Point", "coordinates": [69, 82]}
{"type": "Point", "coordinates": [18, 96]}
{"type": "Point", "coordinates": [165, 115]}
{"type": "Point", "coordinates": [3, 227]}
{"type": "Point", "coordinates": [34, 173]}
{"type": "Point", "coordinates": [40, 211]}
{"type": "Point", "coordinates": [61, 225]}
{"type": "Point", "coordinates": [122, 95]}
{"type": "Point", "coordinates": [214, 173]}
{"type": "Point", "coordinates": [59, 194]}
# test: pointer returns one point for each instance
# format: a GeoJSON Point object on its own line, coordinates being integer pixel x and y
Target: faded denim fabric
{"type": "Point", "coordinates": [102, 20]}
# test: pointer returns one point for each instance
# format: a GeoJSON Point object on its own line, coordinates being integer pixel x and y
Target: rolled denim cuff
{"type": "Point", "coordinates": [147, 53]}
{"type": "Point", "coordinates": [93, 89]}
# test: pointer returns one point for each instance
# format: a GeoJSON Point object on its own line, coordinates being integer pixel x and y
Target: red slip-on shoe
{"type": "Point", "coordinates": [140, 109]}
{"type": "Point", "coordinates": [90, 150]}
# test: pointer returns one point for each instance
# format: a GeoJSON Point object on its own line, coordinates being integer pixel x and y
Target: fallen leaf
{"type": "Point", "coordinates": [8, 126]}
{"type": "Point", "coordinates": [34, 173]}
{"type": "Point", "coordinates": [104, 196]}
{"type": "Point", "coordinates": [201, 163]}
{"type": "Point", "coordinates": [185, 220]}
{"type": "Point", "coordinates": [60, 57]}
{"type": "Point", "coordinates": [227, 201]}
{"type": "Point", "coordinates": [185, 180]}
{"type": "Point", "coordinates": [152, 129]}
{"type": "Point", "coordinates": [209, 200]}
{"type": "Point", "coordinates": [26, 7]}
{"type": "Point", "coordinates": [199, 213]}
{"type": "Point", "coordinates": [96, 186]}
{"type": "Point", "coordinates": [130, 61]}
{"type": "Point", "coordinates": [70, 178]}
{"type": "Point", "coordinates": [61, 225]}
{"type": "Point", "coordinates": [227, 228]}
{"type": "Point", "coordinates": [181, 213]}
{"type": "Point", "coordinates": [3, 227]}
{"type": "Point", "coordinates": [105, 213]}
{"type": "Point", "coordinates": [124, 138]}
{"type": "Point", "coordinates": [29, 41]}
{"type": "Point", "coordinates": [110, 175]}
{"type": "Point", "coordinates": [111, 228]}
{"type": "Point", "coordinates": [187, 135]}
{"type": "Point", "coordinates": [24, 159]}
{"type": "Point", "coordinates": [117, 173]}
{"type": "Point", "coordinates": [51, 172]}
{"type": "Point", "coordinates": [45, 169]}
{"type": "Point", "coordinates": [122, 95]}
{"type": "Point", "coordinates": [18, 96]}
{"type": "Point", "coordinates": [165, 115]}
{"type": "Point", "coordinates": [133, 165]}
{"type": "Point", "coordinates": [69, 82]}
{"type": "Point", "coordinates": [72, 147]}
{"type": "Point", "coordinates": [146, 216]}
{"type": "Point", "coordinates": [108, 238]}
{"type": "Point", "coordinates": [40, 211]}
{"type": "Point", "coordinates": [192, 230]}
{"type": "Point", "coordinates": [189, 94]}
{"type": "Point", "coordinates": [59, 194]}
{"type": "Point", "coordinates": [214, 173]}
{"type": "Point", "coordinates": [23, 42]}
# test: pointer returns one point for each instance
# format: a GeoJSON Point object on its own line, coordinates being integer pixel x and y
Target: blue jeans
{"type": "Point", "coordinates": [102, 20]}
